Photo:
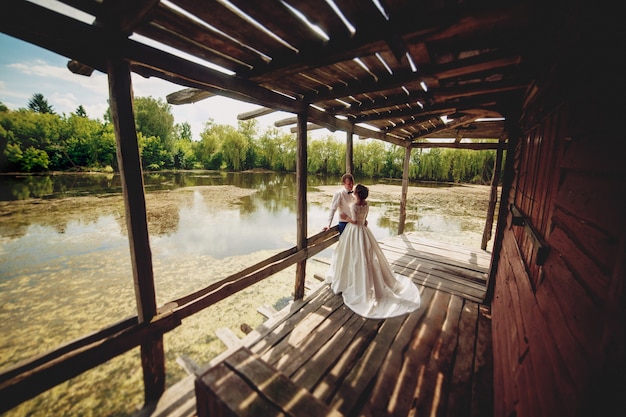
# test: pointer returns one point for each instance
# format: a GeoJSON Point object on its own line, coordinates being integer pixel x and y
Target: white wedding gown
{"type": "Point", "coordinates": [360, 271]}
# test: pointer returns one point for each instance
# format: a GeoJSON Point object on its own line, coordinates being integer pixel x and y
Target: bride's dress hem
{"type": "Point", "coordinates": [362, 275]}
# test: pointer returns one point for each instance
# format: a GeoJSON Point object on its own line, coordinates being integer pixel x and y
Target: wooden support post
{"type": "Point", "coordinates": [301, 180]}
{"type": "Point", "coordinates": [349, 151]}
{"type": "Point", "coordinates": [129, 160]}
{"type": "Point", "coordinates": [405, 188]}
{"type": "Point", "coordinates": [493, 197]}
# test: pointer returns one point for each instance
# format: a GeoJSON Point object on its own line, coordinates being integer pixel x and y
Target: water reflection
{"type": "Point", "coordinates": [219, 233]}
{"type": "Point", "coordinates": [24, 186]}
{"type": "Point", "coordinates": [265, 219]}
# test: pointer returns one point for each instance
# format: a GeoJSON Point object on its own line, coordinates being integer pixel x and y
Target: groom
{"type": "Point", "coordinates": [341, 202]}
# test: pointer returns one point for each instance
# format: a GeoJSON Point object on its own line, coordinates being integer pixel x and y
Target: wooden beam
{"type": "Point", "coordinates": [128, 156]}
{"type": "Point", "coordinates": [131, 173]}
{"type": "Point", "coordinates": [309, 126]}
{"type": "Point", "coordinates": [493, 196]}
{"type": "Point", "coordinates": [405, 189]}
{"type": "Point", "coordinates": [301, 181]}
{"type": "Point", "coordinates": [287, 122]}
{"type": "Point", "coordinates": [350, 152]}
{"type": "Point", "coordinates": [80, 69]}
{"type": "Point", "coordinates": [455, 145]}
{"type": "Point", "coordinates": [456, 123]}
{"type": "Point", "coordinates": [71, 36]}
{"type": "Point", "coordinates": [188, 95]}
{"type": "Point", "coordinates": [124, 16]}
{"type": "Point", "coordinates": [262, 111]}
{"type": "Point", "coordinates": [390, 81]}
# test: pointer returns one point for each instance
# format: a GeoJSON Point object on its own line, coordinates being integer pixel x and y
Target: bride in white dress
{"type": "Point", "coordinates": [360, 271]}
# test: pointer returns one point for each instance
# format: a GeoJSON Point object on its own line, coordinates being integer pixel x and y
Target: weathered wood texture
{"type": "Point", "coordinates": [242, 385]}
{"type": "Point", "coordinates": [129, 159]}
{"type": "Point", "coordinates": [558, 328]}
{"type": "Point", "coordinates": [435, 361]}
{"type": "Point", "coordinates": [396, 68]}
{"type": "Point", "coordinates": [453, 268]}
{"type": "Point", "coordinates": [301, 180]}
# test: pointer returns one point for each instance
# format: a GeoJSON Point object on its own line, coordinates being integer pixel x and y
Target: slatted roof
{"type": "Point", "coordinates": [386, 69]}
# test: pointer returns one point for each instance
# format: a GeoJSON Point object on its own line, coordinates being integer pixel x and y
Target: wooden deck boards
{"type": "Point", "coordinates": [435, 361]}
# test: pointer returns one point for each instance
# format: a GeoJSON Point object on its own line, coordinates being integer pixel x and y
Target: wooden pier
{"type": "Point", "coordinates": [436, 361]}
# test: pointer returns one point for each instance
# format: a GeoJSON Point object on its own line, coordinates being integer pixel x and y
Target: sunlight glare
{"type": "Point", "coordinates": [318, 30]}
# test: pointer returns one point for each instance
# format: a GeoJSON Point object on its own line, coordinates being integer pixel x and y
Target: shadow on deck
{"type": "Point", "coordinates": [316, 354]}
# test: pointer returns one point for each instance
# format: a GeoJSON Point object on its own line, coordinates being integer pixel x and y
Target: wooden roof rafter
{"type": "Point", "coordinates": [469, 55]}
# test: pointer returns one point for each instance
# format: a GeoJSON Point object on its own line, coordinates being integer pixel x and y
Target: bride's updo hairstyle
{"type": "Point", "coordinates": [362, 191]}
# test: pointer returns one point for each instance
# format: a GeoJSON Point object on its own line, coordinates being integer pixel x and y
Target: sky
{"type": "Point", "coordinates": [26, 69]}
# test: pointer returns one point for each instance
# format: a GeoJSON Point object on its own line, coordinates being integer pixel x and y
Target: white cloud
{"type": "Point", "coordinates": [96, 83]}
{"type": "Point", "coordinates": [65, 91]}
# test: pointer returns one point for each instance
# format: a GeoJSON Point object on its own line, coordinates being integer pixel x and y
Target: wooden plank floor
{"type": "Point", "coordinates": [452, 268]}
{"type": "Point", "coordinates": [435, 361]}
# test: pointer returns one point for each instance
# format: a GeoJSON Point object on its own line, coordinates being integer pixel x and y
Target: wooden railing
{"type": "Point", "coordinates": [36, 375]}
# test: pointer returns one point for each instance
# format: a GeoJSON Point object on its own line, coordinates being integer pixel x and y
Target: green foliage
{"type": "Point", "coordinates": [80, 141]}
{"type": "Point", "coordinates": [28, 160]}
{"type": "Point", "coordinates": [153, 117]}
{"type": "Point", "coordinates": [80, 111]}
{"type": "Point", "coordinates": [39, 104]}
{"type": "Point", "coordinates": [32, 141]}
{"type": "Point", "coordinates": [267, 150]}
{"type": "Point", "coordinates": [249, 129]}
{"type": "Point", "coordinates": [370, 158]}
{"type": "Point", "coordinates": [326, 156]}
{"type": "Point", "coordinates": [183, 132]}
{"type": "Point", "coordinates": [154, 156]}
{"type": "Point", "coordinates": [234, 149]}
{"type": "Point", "coordinates": [183, 156]}
{"type": "Point", "coordinates": [208, 149]}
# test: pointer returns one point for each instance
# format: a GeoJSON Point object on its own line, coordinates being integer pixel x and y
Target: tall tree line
{"type": "Point", "coordinates": [37, 139]}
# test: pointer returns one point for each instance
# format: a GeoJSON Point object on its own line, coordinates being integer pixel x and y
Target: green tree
{"type": "Point", "coordinates": [249, 129]}
{"type": "Point", "coordinates": [80, 111]}
{"type": "Point", "coordinates": [153, 155]}
{"type": "Point", "coordinates": [183, 152]}
{"type": "Point", "coordinates": [394, 161]}
{"type": "Point", "coordinates": [234, 148]}
{"type": "Point", "coordinates": [28, 160]}
{"type": "Point", "coordinates": [373, 158]}
{"type": "Point", "coordinates": [287, 149]}
{"type": "Point", "coordinates": [208, 149]}
{"type": "Point", "coordinates": [39, 104]}
{"type": "Point", "coordinates": [104, 148]}
{"type": "Point", "coordinates": [153, 117]}
{"type": "Point", "coordinates": [267, 149]}
{"type": "Point", "coordinates": [41, 131]}
{"type": "Point", "coordinates": [326, 156]}
{"type": "Point", "coordinates": [183, 131]}
{"type": "Point", "coordinates": [81, 141]}
{"type": "Point", "coordinates": [414, 163]}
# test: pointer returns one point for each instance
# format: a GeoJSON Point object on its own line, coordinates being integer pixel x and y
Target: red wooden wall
{"type": "Point", "coordinates": [559, 326]}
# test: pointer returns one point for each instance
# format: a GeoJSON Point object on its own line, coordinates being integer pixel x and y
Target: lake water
{"type": "Point", "coordinates": [65, 268]}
